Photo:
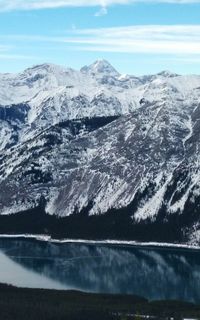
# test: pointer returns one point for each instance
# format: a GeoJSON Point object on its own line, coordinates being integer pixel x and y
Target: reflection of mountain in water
{"type": "Point", "coordinates": [153, 273]}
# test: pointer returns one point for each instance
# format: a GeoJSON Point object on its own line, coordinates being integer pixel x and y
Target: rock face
{"type": "Point", "coordinates": [107, 147]}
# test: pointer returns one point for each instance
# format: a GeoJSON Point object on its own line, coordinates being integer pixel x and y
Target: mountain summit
{"type": "Point", "coordinates": [101, 67]}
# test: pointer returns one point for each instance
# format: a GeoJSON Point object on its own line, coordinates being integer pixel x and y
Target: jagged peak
{"type": "Point", "coordinates": [42, 66]}
{"type": "Point", "coordinates": [100, 66]}
{"type": "Point", "coordinates": [167, 74]}
{"type": "Point", "coordinates": [47, 68]}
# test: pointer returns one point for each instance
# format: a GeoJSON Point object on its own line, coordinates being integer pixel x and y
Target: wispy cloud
{"type": "Point", "coordinates": [16, 57]}
{"type": "Point", "coordinates": [149, 39]}
{"type": "Point", "coordinates": [8, 5]}
{"type": "Point", "coordinates": [4, 48]}
{"type": "Point", "coordinates": [7, 52]}
{"type": "Point", "coordinates": [153, 39]}
{"type": "Point", "coordinates": [102, 12]}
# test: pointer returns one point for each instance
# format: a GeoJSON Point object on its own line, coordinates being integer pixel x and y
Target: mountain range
{"type": "Point", "coordinates": [100, 155]}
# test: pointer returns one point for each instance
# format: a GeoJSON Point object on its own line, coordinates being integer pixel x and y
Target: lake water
{"type": "Point", "coordinates": [155, 273]}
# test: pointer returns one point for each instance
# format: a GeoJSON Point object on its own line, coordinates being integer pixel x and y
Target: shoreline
{"type": "Point", "coordinates": [46, 238]}
{"type": "Point", "coordinates": [79, 305]}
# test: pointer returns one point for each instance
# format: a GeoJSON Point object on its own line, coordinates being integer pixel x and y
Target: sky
{"type": "Point", "coordinates": [136, 36]}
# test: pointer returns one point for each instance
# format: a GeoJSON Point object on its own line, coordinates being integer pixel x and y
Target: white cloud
{"type": "Point", "coordinates": [153, 39]}
{"type": "Point", "coordinates": [7, 5]}
{"type": "Point", "coordinates": [102, 12]}
{"type": "Point", "coordinates": [146, 39]}
{"type": "Point", "coordinates": [16, 57]}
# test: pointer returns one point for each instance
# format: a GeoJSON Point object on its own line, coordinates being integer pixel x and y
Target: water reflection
{"type": "Point", "coordinates": [152, 273]}
{"type": "Point", "coordinates": [13, 273]}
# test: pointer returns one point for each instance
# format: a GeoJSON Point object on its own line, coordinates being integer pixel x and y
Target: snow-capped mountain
{"type": "Point", "coordinates": [117, 153]}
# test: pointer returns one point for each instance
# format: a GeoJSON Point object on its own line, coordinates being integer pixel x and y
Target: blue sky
{"type": "Point", "coordinates": [136, 36]}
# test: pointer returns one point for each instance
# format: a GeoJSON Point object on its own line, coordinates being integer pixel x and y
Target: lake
{"type": "Point", "coordinates": [154, 273]}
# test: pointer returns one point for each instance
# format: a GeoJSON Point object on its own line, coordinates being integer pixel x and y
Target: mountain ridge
{"type": "Point", "coordinates": [93, 141]}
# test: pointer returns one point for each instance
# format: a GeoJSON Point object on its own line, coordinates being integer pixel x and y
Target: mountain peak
{"type": "Point", "coordinates": [100, 66]}
{"type": "Point", "coordinates": [167, 74]}
{"type": "Point", "coordinates": [45, 67]}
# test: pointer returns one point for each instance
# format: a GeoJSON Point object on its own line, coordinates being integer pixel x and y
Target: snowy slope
{"type": "Point", "coordinates": [97, 141]}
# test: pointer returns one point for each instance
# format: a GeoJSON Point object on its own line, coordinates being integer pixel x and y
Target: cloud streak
{"type": "Point", "coordinates": [163, 40]}
{"type": "Point", "coordinates": [151, 39]}
{"type": "Point", "coordinates": [4, 48]}
{"type": "Point", "coordinates": [102, 12]}
{"type": "Point", "coordinates": [9, 5]}
{"type": "Point", "coordinates": [16, 57]}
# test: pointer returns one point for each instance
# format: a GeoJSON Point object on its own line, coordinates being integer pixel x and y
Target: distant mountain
{"type": "Point", "coordinates": [115, 156]}
{"type": "Point", "coordinates": [100, 67]}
